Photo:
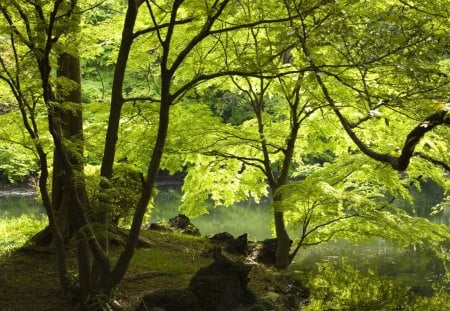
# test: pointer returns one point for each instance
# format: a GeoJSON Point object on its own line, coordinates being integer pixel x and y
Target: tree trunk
{"type": "Point", "coordinates": [106, 169]}
{"type": "Point", "coordinates": [72, 127]}
{"type": "Point", "coordinates": [283, 258]}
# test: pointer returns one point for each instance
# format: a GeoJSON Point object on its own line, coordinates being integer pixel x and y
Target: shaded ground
{"type": "Point", "coordinates": [28, 279]}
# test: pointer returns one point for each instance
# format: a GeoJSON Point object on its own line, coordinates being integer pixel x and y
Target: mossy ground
{"type": "Point", "coordinates": [28, 279]}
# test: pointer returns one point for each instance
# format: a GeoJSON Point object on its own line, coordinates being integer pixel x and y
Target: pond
{"type": "Point", "coordinates": [375, 275]}
{"type": "Point", "coordinates": [233, 219]}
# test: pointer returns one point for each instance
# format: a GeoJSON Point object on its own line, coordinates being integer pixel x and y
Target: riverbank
{"type": "Point", "coordinates": [29, 280]}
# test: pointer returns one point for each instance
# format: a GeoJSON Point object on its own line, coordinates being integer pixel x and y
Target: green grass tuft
{"type": "Point", "coordinates": [15, 232]}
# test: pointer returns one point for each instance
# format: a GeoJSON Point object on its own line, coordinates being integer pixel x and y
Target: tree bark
{"type": "Point", "coordinates": [71, 120]}
{"type": "Point", "coordinates": [283, 258]}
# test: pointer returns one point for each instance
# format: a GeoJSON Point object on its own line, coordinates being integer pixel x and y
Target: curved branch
{"type": "Point", "coordinates": [438, 118]}
{"type": "Point", "coordinates": [441, 163]}
{"type": "Point", "coordinates": [399, 163]}
{"type": "Point", "coordinates": [255, 162]}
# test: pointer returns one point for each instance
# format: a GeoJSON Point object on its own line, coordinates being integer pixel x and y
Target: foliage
{"type": "Point", "coordinates": [439, 301]}
{"type": "Point", "coordinates": [359, 201]}
{"type": "Point", "coordinates": [20, 219]}
{"type": "Point", "coordinates": [338, 285]}
{"type": "Point", "coordinates": [17, 159]}
{"type": "Point", "coordinates": [119, 199]}
{"type": "Point", "coordinates": [366, 282]}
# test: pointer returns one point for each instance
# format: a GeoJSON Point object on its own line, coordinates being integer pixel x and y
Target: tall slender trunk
{"type": "Point", "coordinates": [141, 207]}
{"type": "Point", "coordinates": [282, 255]}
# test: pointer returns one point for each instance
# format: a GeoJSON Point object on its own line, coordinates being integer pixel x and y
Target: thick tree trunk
{"type": "Point", "coordinates": [60, 200]}
{"type": "Point", "coordinates": [283, 258]}
{"type": "Point", "coordinates": [72, 126]}
{"type": "Point", "coordinates": [71, 120]}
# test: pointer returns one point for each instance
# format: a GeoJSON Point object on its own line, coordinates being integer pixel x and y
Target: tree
{"type": "Point", "coordinates": [379, 107]}
{"type": "Point", "coordinates": [172, 51]}
{"type": "Point", "coordinates": [179, 73]}
{"type": "Point", "coordinates": [342, 55]}
{"type": "Point", "coordinates": [424, 82]}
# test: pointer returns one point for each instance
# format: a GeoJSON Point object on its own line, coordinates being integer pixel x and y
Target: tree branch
{"type": "Point", "coordinates": [441, 163]}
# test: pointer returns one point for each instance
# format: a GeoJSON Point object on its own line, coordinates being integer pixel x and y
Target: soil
{"type": "Point", "coordinates": [29, 281]}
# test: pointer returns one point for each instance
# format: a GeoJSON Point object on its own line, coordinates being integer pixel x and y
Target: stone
{"type": "Point", "coordinates": [180, 222]}
{"type": "Point", "coordinates": [157, 226]}
{"type": "Point", "coordinates": [265, 252]}
{"type": "Point", "coordinates": [183, 224]}
{"type": "Point", "coordinates": [222, 285]}
{"type": "Point", "coordinates": [221, 237]}
{"type": "Point", "coordinates": [192, 230]}
{"type": "Point", "coordinates": [238, 246]}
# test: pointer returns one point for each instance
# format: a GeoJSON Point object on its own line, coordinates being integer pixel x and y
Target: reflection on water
{"type": "Point", "coordinates": [247, 217]}
{"type": "Point", "coordinates": [417, 267]}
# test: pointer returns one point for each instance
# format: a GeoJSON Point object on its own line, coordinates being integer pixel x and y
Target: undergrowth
{"type": "Point", "coordinates": [16, 231]}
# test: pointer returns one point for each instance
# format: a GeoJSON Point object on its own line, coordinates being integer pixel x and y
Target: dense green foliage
{"type": "Point", "coordinates": [337, 284]}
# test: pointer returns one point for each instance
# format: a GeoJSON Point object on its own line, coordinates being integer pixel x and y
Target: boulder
{"type": "Point", "coordinates": [238, 246]}
{"type": "Point", "coordinates": [265, 252]}
{"type": "Point", "coordinates": [222, 285]}
{"type": "Point", "coordinates": [180, 222]}
{"type": "Point", "coordinates": [221, 237]}
{"type": "Point", "coordinates": [183, 224]}
{"type": "Point", "coordinates": [157, 226]}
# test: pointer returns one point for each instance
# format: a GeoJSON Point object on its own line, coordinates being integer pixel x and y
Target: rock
{"type": "Point", "coordinates": [221, 237]}
{"type": "Point", "coordinates": [157, 226]}
{"type": "Point", "coordinates": [295, 295]}
{"type": "Point", "coordinates": [192, 230]}
{"type": "Point", "coordinates": [238, 246]}
{"type": "Point", "coordinates": [180, 222]}
{"type": "Point", "coordinates": [222, 286]}
{"type": "Point", "coordinates": [277, 291]}
{"type": "Point", "coordinates": [169, 300]}
{"type": "Point", "coordinates": [183, 224]}
{"type": "Point", "coordinates": [265, 252]}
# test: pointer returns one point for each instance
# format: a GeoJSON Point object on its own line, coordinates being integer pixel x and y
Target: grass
{"type": "Point", "coordinates": [29, 280]}
{"type": "Point", "coordinates": [16, 231]}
